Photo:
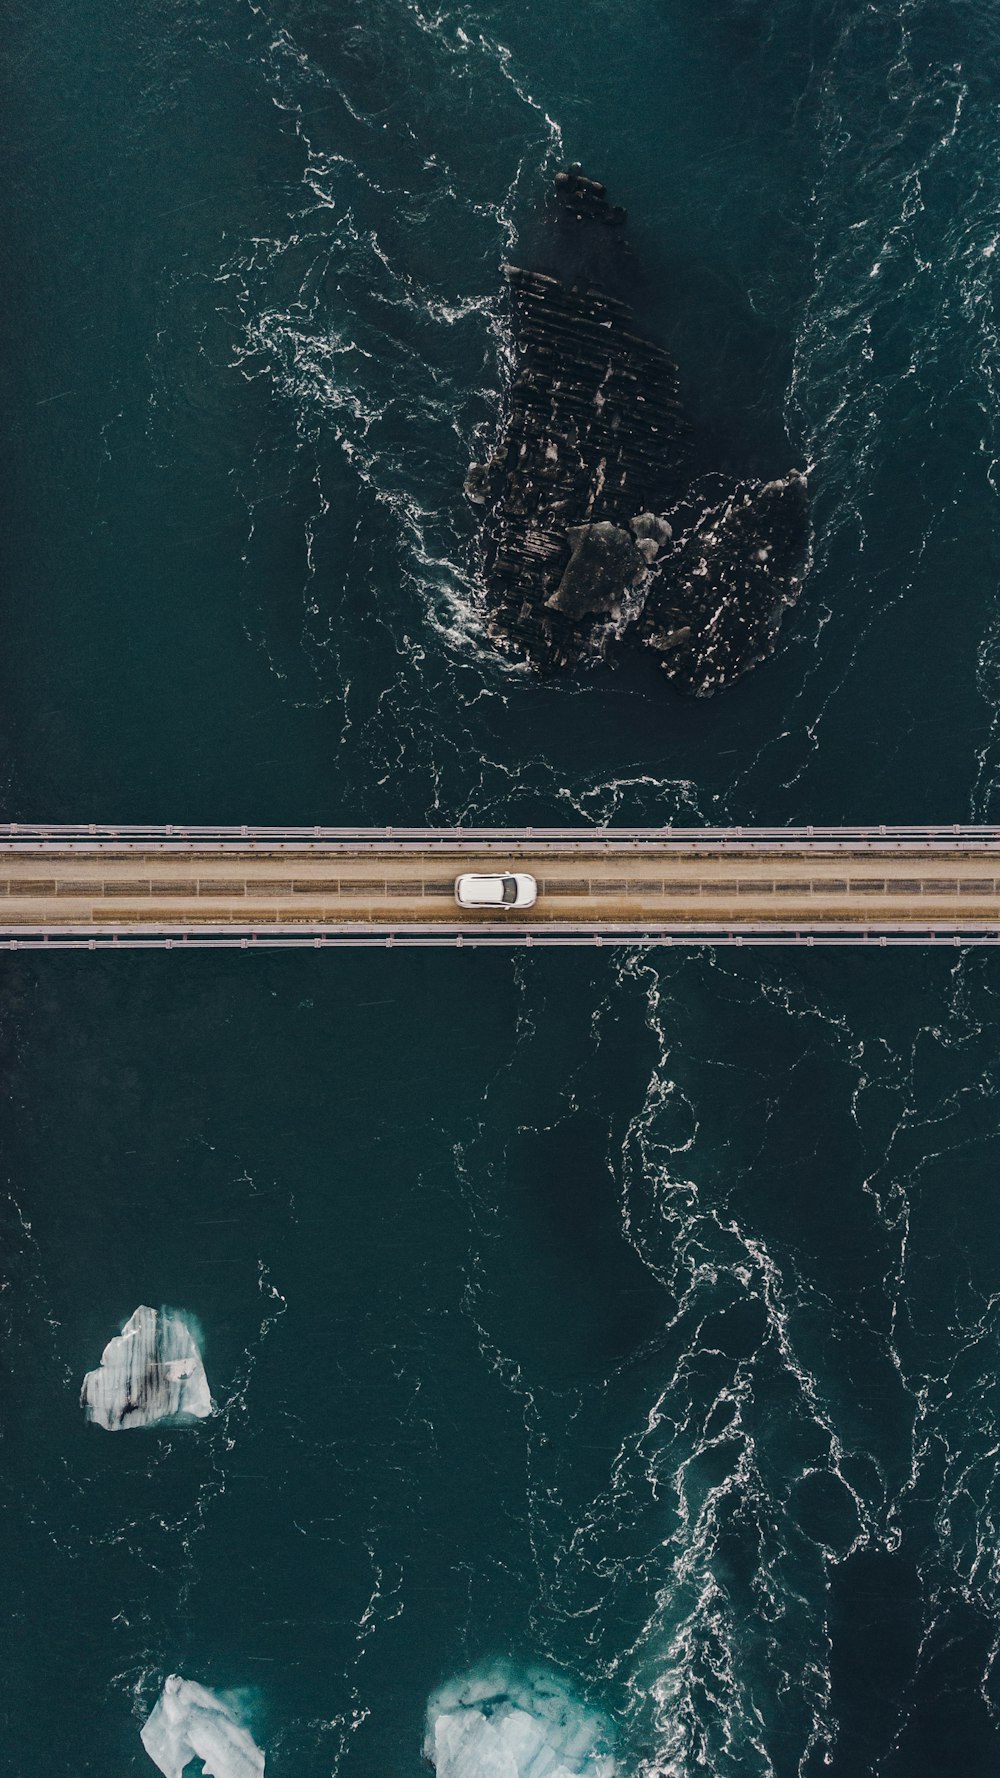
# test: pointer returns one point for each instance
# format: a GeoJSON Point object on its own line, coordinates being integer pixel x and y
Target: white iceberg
{"type": "Point", "coordinates": [151, 1372]}
{"type": "Point", "coordinates": [507, 1723]}
{"type": "Point", "coordinates": [190, 1722]}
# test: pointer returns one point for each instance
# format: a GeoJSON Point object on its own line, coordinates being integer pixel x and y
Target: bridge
{"type": "Point", "coordinates": [65, 887]}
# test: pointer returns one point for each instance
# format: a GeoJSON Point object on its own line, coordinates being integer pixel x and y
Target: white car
{"type": "Point", "coordinates": [509, 889]}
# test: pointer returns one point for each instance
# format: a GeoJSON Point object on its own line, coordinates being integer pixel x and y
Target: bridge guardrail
{"type": "Point", "coordinates": [41, 835]}
{"type": "Point", "coordinates": [276, 941]}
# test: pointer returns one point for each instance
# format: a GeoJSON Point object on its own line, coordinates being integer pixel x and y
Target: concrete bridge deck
{"type": "Point", "coordinates": [90, 886]}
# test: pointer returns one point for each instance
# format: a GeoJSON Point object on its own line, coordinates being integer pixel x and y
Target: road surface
{"type": "Point", "coordinates": [589, 886]}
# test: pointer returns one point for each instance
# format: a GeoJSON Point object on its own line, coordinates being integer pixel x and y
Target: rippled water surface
{"type": "Point", "coordinates": [640, 1313]}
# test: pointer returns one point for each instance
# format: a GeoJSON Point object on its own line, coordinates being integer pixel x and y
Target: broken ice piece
{"type": "Point", "coordinates": [191, 1722]}
{"type": "Point", "coordinates": [504, 1722]}
{"type": "Point", "coordinates": [151, 1372]}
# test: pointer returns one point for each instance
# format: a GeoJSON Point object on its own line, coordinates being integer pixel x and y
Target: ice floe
{"type": "Point", "coordinates": [191, 1722]}
{"type": "Point", "coordinates": [150, 1372]}
{"type": "Point", "coordinates": [504, 1722]}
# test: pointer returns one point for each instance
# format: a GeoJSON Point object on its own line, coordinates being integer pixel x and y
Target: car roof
{"type": "Point", "coordinates": [490, 887]}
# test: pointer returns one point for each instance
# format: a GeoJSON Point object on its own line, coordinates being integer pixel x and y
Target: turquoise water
{"type": "Point", "coordinates": [636, 1314]}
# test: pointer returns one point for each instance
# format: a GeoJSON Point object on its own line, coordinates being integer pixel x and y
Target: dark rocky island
{"type": "Point", "coordinates": [594, 538]}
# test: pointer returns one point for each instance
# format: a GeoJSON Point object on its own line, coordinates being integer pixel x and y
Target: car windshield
{"type": "Point", "coordinates": [509, 890]}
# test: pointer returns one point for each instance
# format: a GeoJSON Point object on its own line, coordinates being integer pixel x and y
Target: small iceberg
{"type": "Point", "coordinates": [502, 1722]}
{"type": "Point", "coordinates": [151, 1372]}
{"type": "Point", "coordinates": [190, 1722]}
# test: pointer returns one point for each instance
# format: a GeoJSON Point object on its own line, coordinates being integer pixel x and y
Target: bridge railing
{"type": "Point", "coordinates": [86, 939]}
{"type": "Point", "coordinates": [29, 835]}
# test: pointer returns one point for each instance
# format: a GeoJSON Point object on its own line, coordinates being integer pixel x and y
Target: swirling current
{"type": "Point", "coordinates": [633, 1319]}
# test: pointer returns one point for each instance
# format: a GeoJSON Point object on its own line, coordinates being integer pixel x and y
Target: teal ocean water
{"type": "Point", "coordinates": [640, 1314]}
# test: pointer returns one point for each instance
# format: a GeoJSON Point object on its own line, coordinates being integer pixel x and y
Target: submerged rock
{"type": "Point", "coordinates": [506, 1723]}
{"type": "Point", "coordinates": [190, 1722]}
{"type": "Point", "coordinates": [149, 1373]}
{"type": "Point", "coordinates": [581, 497]}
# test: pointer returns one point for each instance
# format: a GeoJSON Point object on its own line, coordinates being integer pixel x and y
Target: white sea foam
{"type": "Point", "coordinates": [501, 1722]}
{"type": "Point", "coordinates": [190, 1722]}
{"type": "Point", "coordinates": [149, 1373]}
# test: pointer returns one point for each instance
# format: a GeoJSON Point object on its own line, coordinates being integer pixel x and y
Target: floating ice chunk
{"type": "Point", "coordinates": [190, 1722]}
{"type": "Point", "coordinates": [151, 1372]}
{"type": "Point", "coordinates": [508, 1723]}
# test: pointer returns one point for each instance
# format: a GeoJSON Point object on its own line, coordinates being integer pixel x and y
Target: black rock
{"type": "Point", "coordinates": [715, 604]}
{"type": "Point", "coordinates": [604, 562]}
{"type": "Point", "coordinates": [589, 482]}
{"type": "Point", "coordinates": [593, 434]}
{"type": "Point", "coordinates": [587, 198]}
